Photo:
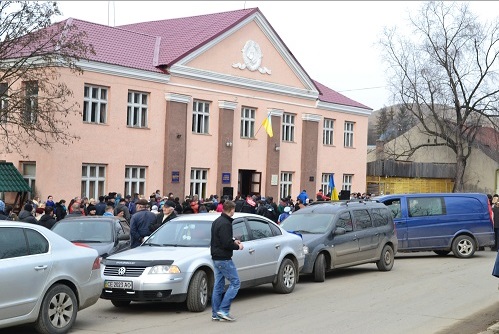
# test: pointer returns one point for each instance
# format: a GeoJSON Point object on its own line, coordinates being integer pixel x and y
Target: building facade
{"type": "Point", "coordinates": [178, 105]}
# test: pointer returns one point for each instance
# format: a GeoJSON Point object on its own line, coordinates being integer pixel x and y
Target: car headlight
{"type": "Point", "coordinates": [305, 249]}
{"type": "Point", "coordinates": [164, 269]}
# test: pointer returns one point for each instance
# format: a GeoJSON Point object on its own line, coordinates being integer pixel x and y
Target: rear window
{"type": "Point", "coordinates": [380, 217]}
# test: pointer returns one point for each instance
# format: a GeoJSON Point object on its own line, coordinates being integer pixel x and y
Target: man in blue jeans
{"type": "Point", "coordinates": [222, 246]}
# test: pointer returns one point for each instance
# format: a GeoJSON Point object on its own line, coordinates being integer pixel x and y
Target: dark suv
{"type": "Point", "coordinates": [343, 234]}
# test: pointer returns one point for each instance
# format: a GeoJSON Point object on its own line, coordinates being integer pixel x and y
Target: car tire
{"type": "Point", "coordinates": [120, 303]}
{"type": "Point", "coordinates": [286, 277]}
{"type": "Point", "coordinates": [320, 268]}
{"type": "Point", "coordinates": [463, 246]}
{"type": "Point", "coordinates": [442, 252]}
{"type": "Point", "coordinates": [197, 295]}
{"type": "Point", "coordinates": [58, 310]}
{"type": "Point", "coordinates": [385, 262]}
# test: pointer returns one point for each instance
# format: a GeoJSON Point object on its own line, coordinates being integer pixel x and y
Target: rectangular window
{"type": "Point", "coordinates": [325, 184]}
{"type": "Point", "coordinates": [426, 206]}
{"type": "Point", "coordinates": [347, 182]}
{"type": "Point", "coordinates": [95, 104]}
{"type": "Point", "coordinates": [199, 178]}
{"type": "Point", "coordinates": [93, 179]}
{"type": "Point", "coordinates": [137, 109]}
{"type": "Point", "coordinates": [30, 101]}
{"type": "Point", "coordinates": [288, 127]}
{"type": "Point", "coordinates": [29, 174]}
{"type": "Point", "coordinates": [135, 180]}
{"type": "Point", "coordinates": [328, 131]}
{"type": "Point", "coordinates": [348, 134]}
{"type": "Point", "coordinates": [286, 184]}
{"type": "Point", "coordinates": [248, 122]}
{"type": "Point", "coordinates": [201, 117]}
{"type": "Point", "coordinates": [4, 102]}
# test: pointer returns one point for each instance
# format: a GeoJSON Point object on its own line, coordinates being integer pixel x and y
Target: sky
{"type": "Point", "coordinates": [336, 42]}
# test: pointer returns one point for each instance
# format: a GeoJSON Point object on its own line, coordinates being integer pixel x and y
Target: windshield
{"type": "Point", "coordinates": [182, 234]}
{"type": "Point", "coordinates": [85, 231]}
{"type": "Point", "coordinates": [308, 223]}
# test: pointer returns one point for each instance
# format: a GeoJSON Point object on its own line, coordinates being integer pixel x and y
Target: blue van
{"type": "Point", "coordinates": [443, 222]}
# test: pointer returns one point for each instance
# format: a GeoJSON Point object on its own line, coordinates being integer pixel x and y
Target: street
{"type": "Point", "coordinates": [424, 293]}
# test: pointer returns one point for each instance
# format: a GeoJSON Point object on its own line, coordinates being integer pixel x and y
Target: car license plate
{"type": "Point", "coordinates": [118, 285]}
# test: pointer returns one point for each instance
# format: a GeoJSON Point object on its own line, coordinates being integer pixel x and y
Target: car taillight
{"type": "Point", "coordinates": [96, 264]}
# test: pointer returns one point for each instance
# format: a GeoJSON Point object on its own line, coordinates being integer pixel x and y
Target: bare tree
{"type": "Point", "coordinates": [444, 73]}
{"type": "Point", "coordinates": [34, 103]}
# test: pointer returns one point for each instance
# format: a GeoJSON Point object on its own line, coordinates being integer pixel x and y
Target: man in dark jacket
{"type": "Point", "coordinates": [26, 215]}
{"type": "Point", "coordinates": [100, 207]}
{"type": "Point", "coordinates": [140, 222]}
{"type": "Point", "coordinates": [165, 216]}
{"type": "Point", "coordinates": [122, 207]}
{"type": "Point", "coordinates": [47, 220]}
{"type": "Point", "coordinates": [222, 246]}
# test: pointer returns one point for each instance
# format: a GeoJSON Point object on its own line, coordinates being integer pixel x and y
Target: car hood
{"type": "Point", "coordinates": [148, 253]}
{"type": "Point", "coordinates": [101, 248]}
{"type": "Point", "coordinates": [309, 238]}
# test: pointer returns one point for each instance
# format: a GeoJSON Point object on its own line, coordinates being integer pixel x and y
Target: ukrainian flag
{"type": "Point", "coordinates": [267, 124]}
{"type": "Point", "coordinates": [332, 187]}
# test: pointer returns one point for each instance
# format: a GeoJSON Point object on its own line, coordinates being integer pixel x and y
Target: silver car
{"type": "Point", "coordinates": [174, 264]}
{"type": "Point", "coordinates": [45, 279]}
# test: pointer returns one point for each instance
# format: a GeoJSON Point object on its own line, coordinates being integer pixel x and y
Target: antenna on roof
{"type": "Point", "coordinates": [108, 12]}
{"type": "Point", "coordinates": [244, 5]}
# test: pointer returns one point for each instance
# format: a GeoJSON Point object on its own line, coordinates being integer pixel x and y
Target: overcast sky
{"type": "Point", "coordinates": [336, 42]}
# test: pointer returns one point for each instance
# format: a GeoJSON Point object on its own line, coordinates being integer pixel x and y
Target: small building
{"type": "Point", "coordinates": [178, 105]}
{"type": "Point", "coordinates": [432, 168]}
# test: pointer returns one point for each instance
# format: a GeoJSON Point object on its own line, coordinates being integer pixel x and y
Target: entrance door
{"type": "Point", "coordinates": [250, 182]}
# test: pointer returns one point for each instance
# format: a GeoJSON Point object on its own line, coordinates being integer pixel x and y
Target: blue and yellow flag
{"type": "Point", "coordinates": [267, 124]}
{"type": "Point", "coordinates": [332, 187]}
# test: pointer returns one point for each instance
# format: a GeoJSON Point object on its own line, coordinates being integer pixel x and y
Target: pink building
{"type": "Point", "coordinates": [177, 105]}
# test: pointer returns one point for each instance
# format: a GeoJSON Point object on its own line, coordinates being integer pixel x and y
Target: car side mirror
{"type": "Point", "coordinates": [339, 231]}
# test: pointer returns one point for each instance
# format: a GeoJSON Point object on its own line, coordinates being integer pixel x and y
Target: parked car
{"type": "Point", "coordinates": [442, 222]}
{"type": "Point", "coordinates": [45, 279]}
{"type": "Point", "coordinates": [344, 234]}
{"type": "Point", "coordinates": [174, 264]}
{"type": "Point", "coordinates": [108, 235]}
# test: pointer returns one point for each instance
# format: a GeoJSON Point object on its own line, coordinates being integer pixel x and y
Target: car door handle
{"type": "Point", "coordinates": [251, 250]}
{"type": "Point", "coordinates": [38, 268]}
{"type": "Point", "coordinates": [277, 246]}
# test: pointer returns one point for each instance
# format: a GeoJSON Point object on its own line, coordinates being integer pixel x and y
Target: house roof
{"type": "Point", "coordinates": [329, 95]}
{"type": "Point", "coordinates": [11, 180]}
{"type": "Point", "coordinates": [155, 45]}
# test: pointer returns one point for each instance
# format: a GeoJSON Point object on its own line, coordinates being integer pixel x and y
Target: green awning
{"type": "Point", "coordinates": [11, 180]}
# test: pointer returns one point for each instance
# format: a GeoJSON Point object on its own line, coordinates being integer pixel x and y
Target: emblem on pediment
{"type": "Point", "coordinates": [252, 56]}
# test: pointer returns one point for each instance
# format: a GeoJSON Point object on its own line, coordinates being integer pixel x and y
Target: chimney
{"type": "Point", "coordinates": [380, 150]}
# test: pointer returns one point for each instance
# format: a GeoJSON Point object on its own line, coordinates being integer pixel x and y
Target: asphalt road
{"type": "Point", "coordinates": [424, 293]}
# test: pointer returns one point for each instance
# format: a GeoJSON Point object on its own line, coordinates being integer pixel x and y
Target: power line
{"type": "Point", "coordinates": [355, 89]}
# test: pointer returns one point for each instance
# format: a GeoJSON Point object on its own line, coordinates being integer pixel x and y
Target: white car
{"type": "Point", "coordinates": [174, 264]}
{"type": "Point", "coordinates": [45, 278]}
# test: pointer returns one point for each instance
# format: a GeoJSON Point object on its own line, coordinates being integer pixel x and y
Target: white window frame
{"type": "Point", "coordinates": [328, 132]}
{"type": "Point", "coordinates": [137, 109]}
{"type": "Point", "coordinates": [101, 101]}
{"type": "Point", "coordinates": [30, 177]}
{"type": "Point", "coordinates": [347, 182]}
{"type": "Point", "coordinates": [348, 134]}
{"type": "Point", "coordinates": [198, 182]}
{"type": "Point", "coordinates": [201, 117]}
{"type": "Point", "coordinates": [248, 122]}
{"type": "Point", "coordinates": [96, 182]}
{"type": "Point", "coordinates": [325, 183]}
{"type": "Point", "coordinates": [31, 101]}
{"type": "Point", "coordinates": [135, 180]}
{"type": "Point", "coordinates": [286, 184]}
{"type": "Point", "coordinates": [4, 101]}
{"type": "Point", "coordinates": [288, 127]}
